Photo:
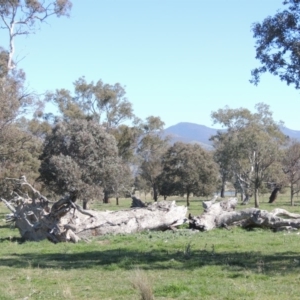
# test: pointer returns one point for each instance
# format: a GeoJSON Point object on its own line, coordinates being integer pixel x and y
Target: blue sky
{"type": "Point", "coordinates": [178, 59]}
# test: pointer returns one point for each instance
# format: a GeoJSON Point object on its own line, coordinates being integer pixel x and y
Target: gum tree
{"type": "Point", "coordinates": [187, 169]}
{"type": "Point", "coordinates": [278, 45]}
{"type": "Point", "coordinates": [20, 17]}
{"type": "Point", "coordinates": [151, 147]}
{"type": "Point", "coordinates": [253, 141]}
{"type": "Point", "coordinates": [291, 167]}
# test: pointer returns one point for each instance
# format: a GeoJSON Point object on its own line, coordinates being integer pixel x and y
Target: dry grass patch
{"type": "Point", "coordinates": [141, 282]}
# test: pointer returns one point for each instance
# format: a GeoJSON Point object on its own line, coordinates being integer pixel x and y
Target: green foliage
{"type": "Point", "coordinates": [127, 139]}
{"type": "Point", "coordinates": [278, 44]}
{"type": "Point", "coordinates": [250, 148]}
{"type": "Point", "coordinates": [104, 103]}
{"type": "Point", "coordinates": [79, 157]}
{"type": "Point", "coordinates": [19, 148]}
{"type": "Point", "coordinates": [150, 150]}
{"type": "Point", "coordinates": [188, 168]}
{"type": "Point", "coordinates": [291, 167]}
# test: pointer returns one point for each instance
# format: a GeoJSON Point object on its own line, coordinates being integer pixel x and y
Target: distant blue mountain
{"type": "Point", "coordinates": [195, 133]}
{"type": "Point", "coordinates": [293, 134]}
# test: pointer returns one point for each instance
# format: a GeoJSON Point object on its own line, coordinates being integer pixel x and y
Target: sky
{"type": "Point", "coordinates": [177, 59]}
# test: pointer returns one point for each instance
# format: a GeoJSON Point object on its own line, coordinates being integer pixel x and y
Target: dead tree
{"type": "Point", "coordinates": [223, 214]}
{"type": "Point", "coordinates": [37, 218]}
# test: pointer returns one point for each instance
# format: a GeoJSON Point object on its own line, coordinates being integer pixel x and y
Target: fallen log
{"type": "Point", "coordinates": [223, 214]}
{"type": "Point", "coordinates": [37, 218]}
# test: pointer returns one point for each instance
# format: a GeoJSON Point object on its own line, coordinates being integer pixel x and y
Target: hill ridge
{"type": "Point", "coordinates": [188, 132]}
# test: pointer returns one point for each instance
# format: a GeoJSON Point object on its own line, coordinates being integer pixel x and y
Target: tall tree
{"type": "Point", "coordinates": [19, 17]}
{"type": "Point", "coordinates": [20, 150]}
{"type": "Point", "coordinates": [104, 103]}
{"type": "Point", "coordinates": [254, 140]}
{"type": "Point", "coordinates": [188, 168]}
{"type": "Point", "coordinates": [80, 158]}
{"type": "Point", "coordinates": [15, 137]}
{"type": "Point", "coordinates": [223, 156]}
{"type": "Point", "coordinates": [151, 147]}
{"type": "Point", "coordinates": [278, 45]}
{"type": "Point", "coordinates": [20, 139]}
{"type": "Point", "coordinates": [291, 167]}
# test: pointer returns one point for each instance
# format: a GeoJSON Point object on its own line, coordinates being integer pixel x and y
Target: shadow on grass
{"type": "Point", "coordinates": [13, 239]}
{"type": "Point", "coordinates": [278, 263]}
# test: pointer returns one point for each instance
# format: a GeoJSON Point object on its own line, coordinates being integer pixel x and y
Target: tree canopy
{"type": "Point", "coordinates": [187, 169]}
{"type": "Point", "coordinates": [19, 17]}
{"type": "Point", "coordinates": [291, 167]}
{"type": "Point", "coordinates": [151, 147]}
{"type": "Point", "coordinates": [80, 158]}
{"type": "Point", "coordinates": [250, 146]}
{"type": "Point", "coordinates": [278, 45]}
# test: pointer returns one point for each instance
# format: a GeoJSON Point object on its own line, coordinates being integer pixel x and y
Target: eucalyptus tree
{"type": "Point", "coordinates": [103, 103]}
{"type": "Point", "coordinates": [80, 158]}
{"type": "Point", "coordinates": [139, 144]}
{"type": "Point", "coordinates": [151, 147]}
{"type": "Point", "coordinates": [223, 156]}
{"type": "Point", "coordinates": [278, 45]}
{"type": "Point", "coordinates": [253, 141]}
{"type": "Point", "coordinates": [20, 150]}
{"type": "Point", "coordinates": [187, 169]}
{"type": "Point", "coordinates": [291, 167]}
{"type": "Point", "coordinates": [20, 17]}
{"type": "Point", "coordinates": [20, 138]}
{"type": "Point", "coordinates": [17, 142]}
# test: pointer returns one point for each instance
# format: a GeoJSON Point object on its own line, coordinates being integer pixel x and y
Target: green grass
{"type": "Point", "coordinates": [220, 264]}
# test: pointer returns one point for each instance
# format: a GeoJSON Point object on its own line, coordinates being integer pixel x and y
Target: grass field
{"type": "Point", "coordinates": [220, 264]}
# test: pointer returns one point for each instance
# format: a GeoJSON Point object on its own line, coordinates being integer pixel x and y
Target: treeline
{"type": "Point", "coordinates": [95, 147]}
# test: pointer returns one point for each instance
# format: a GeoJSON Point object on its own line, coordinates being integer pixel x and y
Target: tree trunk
{"type": "Point", "coordinates": [245, 198]}
{"type": "Point", "coordinates": [223, 214]}
{"type": "Point", "coordinates": [222, 194]}
{"type": "Point", "coordinates": [155, 192]}
{"type": "Point", "coordinates": [256, 197]}
{"type": "Point", "coordinates": [292, 195]}
{"type": "Point", "coordinates": [274, 194]}
{"type": "Point", "coordinates": [106, 197]}
{"type": "Point", "coordinates": [66, 221]}
{"type": "Point", "coordinates": [187, 199]}
{"type": "Point", "coordinates": [117, 200]}
{"type": "Point", "coordinates": [85, 204]}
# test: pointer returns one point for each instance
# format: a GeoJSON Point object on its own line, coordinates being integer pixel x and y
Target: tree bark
{"type": "Point", "coordinates": [66, 221]}
{"type": "Point", "coordinates": [85, 204]}
{"type": "Point", "coordinates": [187, 199]}
{"type": "Point", "coordinates": [256, 197]}
{"type": "Point", "coordinates": [274, 194]}
{"type": "Point", "coordinates": [222, 193]}
{"type": "Point", "coordinates": [155, 192]}
{"type": "Point", "coordinates": [223, 214]}
{"type": "Point", "coordinates": [106, 197]}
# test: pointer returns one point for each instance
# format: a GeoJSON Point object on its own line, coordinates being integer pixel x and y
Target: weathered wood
{"type": "Point", "coordinates": [223, 214]}
{"type": "Point", "coordinates": [67, 221]}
